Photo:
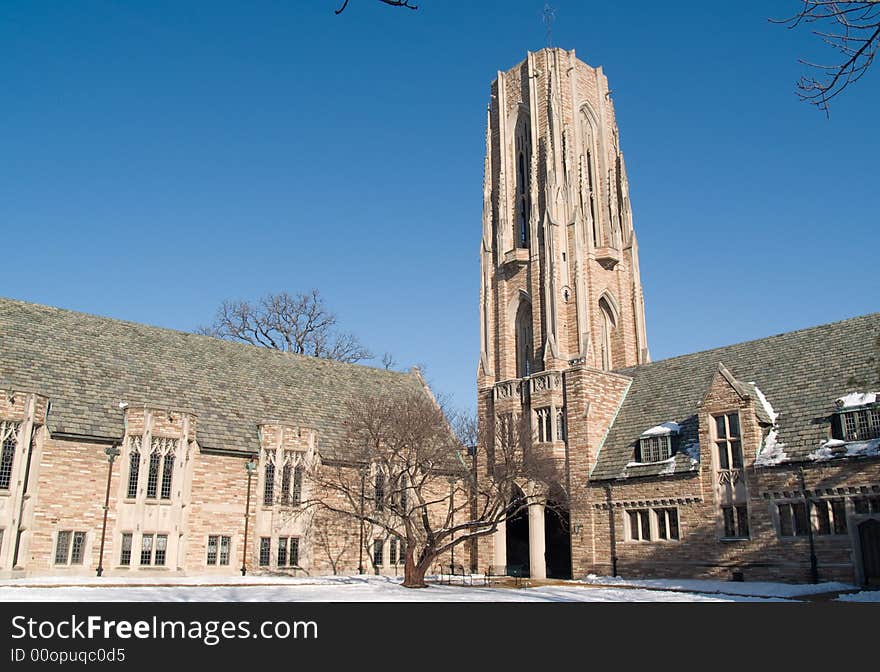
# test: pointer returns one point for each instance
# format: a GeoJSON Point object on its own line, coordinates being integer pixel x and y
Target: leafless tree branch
{"type": "Point", "coordinates": [393, 3]}
{"type": "Point", "coordinates": [297, 323]}
{"type": "Point", "coordinates": [850, 28]}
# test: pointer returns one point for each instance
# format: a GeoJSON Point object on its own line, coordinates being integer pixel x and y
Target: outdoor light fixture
{"type": "Point", "coordinates": [112, 453]}
{"type": "Point", "coordinates": [251, 467]}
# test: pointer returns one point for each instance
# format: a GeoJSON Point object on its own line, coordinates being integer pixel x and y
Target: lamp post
{"type": "Point", "coordinates": [112, 453]}
{"type": "Point", "coordinates": [251, 467]}
{"type": "Point", "coordinates": [361, 523]}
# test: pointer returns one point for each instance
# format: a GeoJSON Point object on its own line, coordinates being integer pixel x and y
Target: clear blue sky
{"type": "Point", "coordinates": [158, 157]}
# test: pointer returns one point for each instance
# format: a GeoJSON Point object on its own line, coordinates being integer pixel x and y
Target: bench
{"type": "Point", "coordinates": [450, 572]}
{"type": "Point", "coordinates": [495, 573]}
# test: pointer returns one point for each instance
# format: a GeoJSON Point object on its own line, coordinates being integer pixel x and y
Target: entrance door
{"type": "Point", "coordinates": [518, 543]}
{"type": "Point", "coordinates": [869, 538]}
{"type": "Point", "coordinates": [557, 542]}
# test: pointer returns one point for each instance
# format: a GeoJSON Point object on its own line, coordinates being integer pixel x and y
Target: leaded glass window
{"type": "Point", "coordinates": [212, 550]}
{"type": "Point", "coordinates": [294, 551]}
{"type": "Point", "coordinates": [265, 550]}
{"type": "Point", "coordinates": [161, 547]}
{"type": "Point", "coordinates": [146, 549]}
{"type": "Point", "coordinates": [62, 546]}
{"type": "Point", "coordinates": [9, 441]}
{"type": "Point", "coordinates": [76, 549]}
{"type": "Point", "coordinates": [377, 552]}
{"type": "Point", "coordinates": [728, 441]}
{"type": "Point", "coordinates": [282, 551]}
{"type": "Point", "coordinates": [125, 553]}
{"type": "Point", "coordinates": [269, 484]}
{"type": "Point", "coordinates": [134, 465]}
{"type": "Point", "coordinates": [224, 550]}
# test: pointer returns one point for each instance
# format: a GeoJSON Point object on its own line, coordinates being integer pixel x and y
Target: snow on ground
{"type": "Point", "coordinates": [330, 589]}
{"type": "Point", "coordinates": [864, 596]}
{"type": "Point", "coordinates": [753, 588]}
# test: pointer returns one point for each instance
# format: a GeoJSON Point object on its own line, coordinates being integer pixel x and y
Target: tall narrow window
{"type": "Point", "coordinates": [523, 190]}
{"type": "Point", "coordinates": [285, 483]}
{"type": "Point", "coordinates": [9, 439]}
{"type": "Point", "coordinates": [282, 551]}
{"type": "Point", "coordinates": [77, 547]}
{"type": "Point", "coordinates": [161, 548]}
{"type": "Point", "coordinates": [377, 552]}
{"type": "Point", "coordinates": [728, 441]}
{"type": "Point", "coordinates": [212, 550]}
{"type": "Point", "coordinates": [403, 489]}
{"type": "Point", "coordinates": [265, 550]}
{"type": "Point", "coordinates": [224, 550]}
{"type": "Point", "coordinates": [146, 549]}
{"type": "Point", "coordinates": [392, 552]}
{"type": "Point", "coordinates": [379, 491]}
{"type": "Point", "coordinates": [523, 334]}
{"type": "Point", "coordinates": [297, 484]}
{"type": "Point", "coordinates": [560, 425]}
{"type": "Point", "coordinates": [62, 544]}
{"type": "Point", "coordinates": [167, 474]}
{"type": "Point", "coordinates": [134, 466]}
{"type": "Point", "coordinates": [125, 553]}
{"type": "Point", "coordinates": [294, 551]}
{"type": "Point", "coordinates": [269, 485]}
{"type": "Point", "coordinates": [153, 474]}
{"type": "Point", "coordinates": [542, 415]}
{"type": "Point", "coordinates": [607, 327]}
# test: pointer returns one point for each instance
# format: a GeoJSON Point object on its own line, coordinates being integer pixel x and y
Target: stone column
{"type": "Point", "coordinates": [499, 556]}
{"type": "Point", "coordinates": [537, 563]}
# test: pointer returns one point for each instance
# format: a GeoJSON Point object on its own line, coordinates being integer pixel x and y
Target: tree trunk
{"type": "Point", "coordinates": [414, 573]}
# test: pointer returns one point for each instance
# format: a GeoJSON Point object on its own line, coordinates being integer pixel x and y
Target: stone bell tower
{"type": "Point", "coordinates": [559, 285]}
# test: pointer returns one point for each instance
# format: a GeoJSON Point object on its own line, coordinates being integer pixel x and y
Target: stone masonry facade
{"type": "Point", "coordinates": [758, 461]}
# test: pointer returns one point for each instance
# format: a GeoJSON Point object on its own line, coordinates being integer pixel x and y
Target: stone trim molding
{"type": "Point", "coordinates": [642, 503]}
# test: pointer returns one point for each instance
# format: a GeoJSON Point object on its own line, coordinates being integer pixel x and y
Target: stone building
{"type": "Point", "coordinates": [188, 413]}
{"type": "Point", "coordinates": [755, 461]}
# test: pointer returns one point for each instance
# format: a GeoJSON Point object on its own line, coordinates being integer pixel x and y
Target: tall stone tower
{"type": "Point", "coordinates": [559, 286]}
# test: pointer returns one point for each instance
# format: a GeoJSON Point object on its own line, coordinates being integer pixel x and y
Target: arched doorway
{"type": "Point", "coordinates": [869, 540]}
{"type": "Point", "coordinates": [518, 537]}
{"type": "Point", "coordinates": [557, 539]}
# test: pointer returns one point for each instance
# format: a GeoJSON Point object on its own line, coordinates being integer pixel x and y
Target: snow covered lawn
{"type": "Point", "coordinates": [753, 588]}
{"type": "Point", "coordinates": [377, 589]}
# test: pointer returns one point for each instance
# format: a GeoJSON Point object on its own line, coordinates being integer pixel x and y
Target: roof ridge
{"type": "Point", "coordinates": [192, 334]}
{"type": "Point", "coordinates": [750, 341]}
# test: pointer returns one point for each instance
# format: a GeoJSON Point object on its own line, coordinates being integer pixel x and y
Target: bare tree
{"type": "Point", "coordinates": [406, 479]}
{"type": "Point", "coordinates": [393, 3]}
{"type": "Point", "coordinates": [333, 536]}
{"type": "Point", "coordinates": [300, 324]}
{"type": "Point", "coordinates": [850, 28]}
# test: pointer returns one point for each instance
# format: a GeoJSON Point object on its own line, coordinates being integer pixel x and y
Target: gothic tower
{"type": "Point", "coordinates": [559, 284]}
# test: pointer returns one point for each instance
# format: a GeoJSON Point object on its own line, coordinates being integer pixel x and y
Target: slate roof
{"type": "Point", "coordinates": [801, 373]}
{"type": "Point", "coordinates": [87, 365]}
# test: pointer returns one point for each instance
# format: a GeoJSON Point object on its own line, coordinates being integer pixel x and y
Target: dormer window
{"type": "Point", "coordinates": [655, 444]}
{"type": "Point", "coordinates": [858, 417]}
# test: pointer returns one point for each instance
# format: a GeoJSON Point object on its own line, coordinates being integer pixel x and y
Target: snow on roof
{"type": "Point", "coordinates": [766, 404]}
{"type": "Point", "coordinates": [772, 451]}
{"type": "Point", "coordinates": [663, 430]}
{"type": "Point", "coordinates": [854, 399]}
{"type": "Point", "coordinates": [837, 448]}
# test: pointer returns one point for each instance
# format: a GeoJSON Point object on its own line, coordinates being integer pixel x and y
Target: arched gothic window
{"type": "Point", "coordinates": [607, 325]}
{"type": "Point", "coordinates": [523, 332]}
{"type": "Point", "coordinates": [523, 191]}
